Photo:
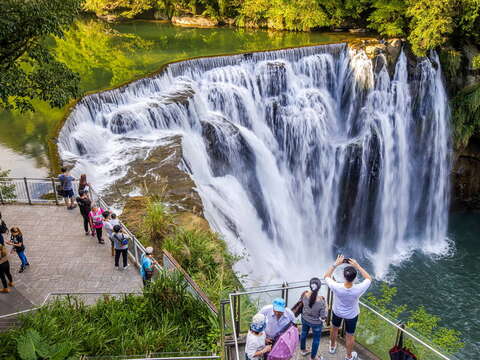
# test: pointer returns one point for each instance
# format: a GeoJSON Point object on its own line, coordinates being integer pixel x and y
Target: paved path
{"type": "Point", "coordinates": [62, 258]}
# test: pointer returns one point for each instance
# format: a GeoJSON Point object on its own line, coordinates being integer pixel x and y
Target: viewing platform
{"type": "Point", "coordinates": [62, 258]}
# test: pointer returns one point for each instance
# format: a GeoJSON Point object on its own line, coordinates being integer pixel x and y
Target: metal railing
{"type": "Point", "coordinates": [376, 332]}
{"type": "Point", "coordinates": [195, 355]}
{"type": "Point", "coordinates": [44, 191]}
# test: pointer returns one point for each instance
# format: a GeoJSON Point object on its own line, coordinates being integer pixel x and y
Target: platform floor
{"type": "Point", "coordinates": [62, 258]}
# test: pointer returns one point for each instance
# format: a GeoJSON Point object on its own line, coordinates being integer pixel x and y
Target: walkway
{"type": "Point", "coordinates": [62, 258]}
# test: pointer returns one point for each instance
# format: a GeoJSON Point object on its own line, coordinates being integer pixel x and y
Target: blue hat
{"type": "Point", "coordinates": [259, 323]}
{"type": "Point", "coordinates": [279, 305]}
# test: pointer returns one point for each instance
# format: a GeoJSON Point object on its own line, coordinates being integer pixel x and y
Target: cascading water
{"type": "Point", "coordinates": [296, 154]}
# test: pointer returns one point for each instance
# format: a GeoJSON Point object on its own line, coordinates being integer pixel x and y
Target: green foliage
{"type": "Point", "coordinates": [379, 336]}
{"type": "Point", "coordinates": [451, 61]}
{"type": "Point", "coordinates": [32, 346]}
{"type": "Point", "coordinates": [388, 17]}
{"type": "Point", "coordinates": [205, 257]}
{"type": "Point", "coordinates": [431, 22]}
{"type": "Point", "coordinates": [157, 223]}
{"type": "Point", "coordinates": [28, 70]}
{"type": "Point", "coordinates": [466, 115]}
{"type": "Point", "coordinates": [7, 190]}
{"type": "Point", "coordinates": [122, 8]}
{"type": "Point", "coordinates": [476, 62]}
{"type": "Point", "coordinates": [167, 318]}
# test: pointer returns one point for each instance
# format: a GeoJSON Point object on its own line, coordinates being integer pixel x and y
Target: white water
{"type": "Point", "coordinates": [297, 154]}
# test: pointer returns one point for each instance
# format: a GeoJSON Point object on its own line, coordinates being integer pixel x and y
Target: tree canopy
{"type": "Point", "coordinates": [28, 69]}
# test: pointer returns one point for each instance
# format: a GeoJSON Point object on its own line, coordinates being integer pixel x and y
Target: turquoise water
{"type": "Point", "coordinates": [448, 287]}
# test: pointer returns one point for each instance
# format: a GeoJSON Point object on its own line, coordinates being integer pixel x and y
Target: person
{"type": "Point", "coordinates": [278, 318]}
{"type": "Point", "coordinates": [5, 270]}
{"type": "Point", "coordinates": [121, 246]}
{"type": "Point", "coordinates": [66, 180]}
{"type": "Point", "coordinates": [109, 221]}
{"type": "Point", "coordinates": [255, 346]}
{"type": "Point", "coordinates": [16, 240]}
{"type": "Point", "coordinates": [345, 303]}
{"type": "Point", "coordinates": [83, 184]}
{"type": "Point", "coordinates": [85, 206]}
{"type": "Point", "coordinates": [314, 312]}
{"type": "Point", "coordinates": [147, 266]}
{"type": "Point", "coordinates": [96, 222]}
{"type": "Point", "coordinates": [3, 230]}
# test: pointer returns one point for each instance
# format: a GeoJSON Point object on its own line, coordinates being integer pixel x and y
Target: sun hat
{"type": "Point", "coordinates": [149, 250]}
{"type": "Point", "coordinates": [279, 305]}
{"type": "Point", "coordinates": [259, 322]}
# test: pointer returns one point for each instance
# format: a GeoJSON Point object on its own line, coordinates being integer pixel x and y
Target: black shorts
{"type": "Point", "coordinates": [68, 194]}
{"type": "Point", "coordinates": [350, 324]}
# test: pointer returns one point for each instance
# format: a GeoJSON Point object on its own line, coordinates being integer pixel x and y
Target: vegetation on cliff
{"type": "Point", "coordinates": [201, 252]}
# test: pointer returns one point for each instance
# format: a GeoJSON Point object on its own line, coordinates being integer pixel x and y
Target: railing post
{"type": "Point", "coordinates": [28, 192]}
{"type": "Point", "coordinates": [283, 290]}
{"type": "Point", "coordinates": [54, 190]}
{"type": "Point", "coordinates": [286, 294]}
{"type": "Point", "coordinates": [329, 306]}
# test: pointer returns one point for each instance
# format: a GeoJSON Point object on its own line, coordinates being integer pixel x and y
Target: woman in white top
{"type": "Point", "coordinates": [255, 346]}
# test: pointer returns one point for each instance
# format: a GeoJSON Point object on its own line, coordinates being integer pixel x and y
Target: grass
{"type": "Point", "coordinates": [167, 318]}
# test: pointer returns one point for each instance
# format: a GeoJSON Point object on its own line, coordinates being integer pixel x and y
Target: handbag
{"type": "Point", "coordinates": [399, 352]}
{"type": "Point", "coordinates": [297, 309]}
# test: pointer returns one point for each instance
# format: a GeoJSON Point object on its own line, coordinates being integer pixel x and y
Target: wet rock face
{"type": "Point", "coordinates": [466, 178]}
{"type": "Point", "coordinates": [159, 174]}
{"type": "Point", "coordinates": [389, 49]}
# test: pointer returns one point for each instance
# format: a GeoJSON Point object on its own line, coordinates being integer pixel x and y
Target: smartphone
{"type": "Point", "coordinates": [346, 261]}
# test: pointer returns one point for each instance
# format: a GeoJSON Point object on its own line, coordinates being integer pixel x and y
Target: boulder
{"type": "Point", "coordinates": [199, 21]}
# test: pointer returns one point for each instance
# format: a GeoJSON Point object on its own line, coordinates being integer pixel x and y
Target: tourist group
{"type": "Point", "coordinates": [95, 219]}
{"type": "Point", "coordinates": [276, 320]}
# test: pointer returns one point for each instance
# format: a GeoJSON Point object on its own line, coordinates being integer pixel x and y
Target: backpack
{"type": "Point", "coordinates": [123, 241]}
{"type": "Point", "coordinates": [3, 227]}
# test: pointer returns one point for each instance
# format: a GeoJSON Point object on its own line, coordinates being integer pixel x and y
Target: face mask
{"type": "Point", "coordinates": [313, 286]}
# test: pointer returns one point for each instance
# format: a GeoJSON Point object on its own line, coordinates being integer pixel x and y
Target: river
{"type": "Point", "coordinates": [108, 55]}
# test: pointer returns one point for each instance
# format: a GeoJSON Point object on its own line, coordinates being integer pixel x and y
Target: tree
{"type": "Point", "coordinates": [432, 21]}
{"type": "Point", "coordinates": [388, 18]}
{"type": "Point", "coordinates": [28, 70]}
{"type": "Point", "coordinates": [122, 8]}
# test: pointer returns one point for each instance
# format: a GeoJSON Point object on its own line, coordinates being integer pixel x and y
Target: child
{"type": "Point", "coordinates": [16, 240]}
{"type": "Point", "coordinates": [255, 346]}
{"type": "Point", "coordinates": [96, 222]}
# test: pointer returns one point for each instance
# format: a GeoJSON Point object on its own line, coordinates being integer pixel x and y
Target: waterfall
{"type": "Point", "coordinates": [297, 154]}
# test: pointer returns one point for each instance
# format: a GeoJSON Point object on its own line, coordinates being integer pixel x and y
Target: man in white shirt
{"type": "Point", "coordinates": [278, 317]}
{"type": "Point", "coordinates": [345, 302]}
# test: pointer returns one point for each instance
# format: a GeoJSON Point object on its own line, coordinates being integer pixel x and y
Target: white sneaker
{"type": "Point", "coordinates": [332, 350]}
{"type": "Point", "coordinates": [305, 352]}
{"type": "Point", "coordinates": [354, 356]}
{"type": "Point", "coordinates": [126, 267]}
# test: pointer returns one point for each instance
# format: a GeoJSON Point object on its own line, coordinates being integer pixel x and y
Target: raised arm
{"type": "Point", "coordinates": [362, 271]}
{"type": "Point", "coordinates": [331, 268]}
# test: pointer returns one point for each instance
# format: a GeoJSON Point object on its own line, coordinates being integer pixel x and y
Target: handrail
{"type": "Point", "coordinates": [285, 287]}
{"type": "Point", "coordinates": [189, 280]}
{"type": "Point", "coordinates": [405, 331]}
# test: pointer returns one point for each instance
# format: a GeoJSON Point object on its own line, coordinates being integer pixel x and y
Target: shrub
{"type": "Point", "coordinates": [167, 318]}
